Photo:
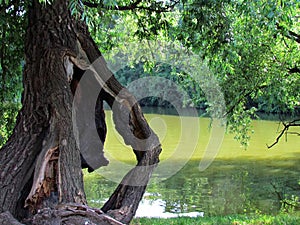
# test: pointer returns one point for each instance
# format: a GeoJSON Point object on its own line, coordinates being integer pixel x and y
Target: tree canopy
{"type": "Point", "coordinates": [252, 47]}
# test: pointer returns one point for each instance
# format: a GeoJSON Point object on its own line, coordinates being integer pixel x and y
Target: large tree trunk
{"type": "Point", "coordinates": [40, 165]}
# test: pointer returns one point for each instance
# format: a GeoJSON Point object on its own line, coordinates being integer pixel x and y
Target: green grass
{"type": "Point", "coordinates": [281, 219]}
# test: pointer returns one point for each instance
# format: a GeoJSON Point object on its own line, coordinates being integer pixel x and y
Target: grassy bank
{"type": "Point", "coordinates": [282, 219]}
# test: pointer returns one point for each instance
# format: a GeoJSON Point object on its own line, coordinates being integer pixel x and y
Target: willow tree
{"type": "Point", "coordinates": [41, 176]}
{"type": "Point", "coordinates": [253, 49]}
{"type": "Point", "coordinates": [251, 46]}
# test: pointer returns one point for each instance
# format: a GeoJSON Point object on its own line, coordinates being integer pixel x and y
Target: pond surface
{"type": "Point", "coordinates": [237, 181]}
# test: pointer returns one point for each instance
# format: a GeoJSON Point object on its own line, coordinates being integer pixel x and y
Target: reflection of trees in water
{"type": "Point", "coordinates": [226, 187]}
{"type": "Point", "coordinates": [184, 194]}
{"type": "Point", "coordinates": [97, 189]}
{"type": "Point", "coordinates": [229, 187]}
{"type": "Point", "coordinates": [217, 194]}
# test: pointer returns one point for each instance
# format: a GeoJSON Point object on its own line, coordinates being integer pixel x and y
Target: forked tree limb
{"type": "Point", "coordinates": [133, 127]}
{"type": "Point", "coordinates": [286, 126]}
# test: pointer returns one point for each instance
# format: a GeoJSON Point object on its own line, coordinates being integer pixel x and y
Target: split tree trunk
{"type": "Point", "coordinates": [40, 165]}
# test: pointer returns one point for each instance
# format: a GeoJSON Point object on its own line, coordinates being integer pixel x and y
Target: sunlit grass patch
{"type": "Point", "coordinates": [281, 219]}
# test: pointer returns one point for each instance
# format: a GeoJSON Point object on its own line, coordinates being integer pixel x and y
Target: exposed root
{"type": "Point", "coordinates": [74, 214]}
{"type": "Point", "coordinates": [64, 214]}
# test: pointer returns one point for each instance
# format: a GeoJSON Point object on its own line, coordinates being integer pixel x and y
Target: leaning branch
{"type": "Point", "coordinates": [286, 126]}
{"type": "Point", "coordinates": [156, 7]}
{"type": "Point", "coordinates": [101, 5]}
{"type": "Point", "coordinates": [243, 95]}
{"type": "Point", "coordinates": [294, 70]}
{"type": "Point", "coordinates": [294, 35]}
{"type": "Point", "coordinates": [289, 34]}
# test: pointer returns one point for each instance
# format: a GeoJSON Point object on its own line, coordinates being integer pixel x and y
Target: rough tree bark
{"type": "Point", "coordinates": [40, 165]}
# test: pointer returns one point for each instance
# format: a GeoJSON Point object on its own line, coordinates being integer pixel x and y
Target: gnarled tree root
{"type": "Point", "coordinates": [68, 214]}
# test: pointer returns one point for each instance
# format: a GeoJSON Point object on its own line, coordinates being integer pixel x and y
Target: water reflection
{"type": "Point", "coordinates": [226, 187]}
{"type": "Point", "coordinates": [157, 208]}
{"type": "Point", "coordinates": [238, 181]}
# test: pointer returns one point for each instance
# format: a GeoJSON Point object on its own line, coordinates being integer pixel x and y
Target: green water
{"type": "Point", "coordinates": [237, 180]}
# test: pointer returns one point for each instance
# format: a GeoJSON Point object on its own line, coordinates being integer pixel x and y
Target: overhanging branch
{"type": "Point", "coordinates": [153, 7]}
{"type": "Point", "coordinates": [286, 126]}
{"type": "Point", "coordinates": [101, 5]}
